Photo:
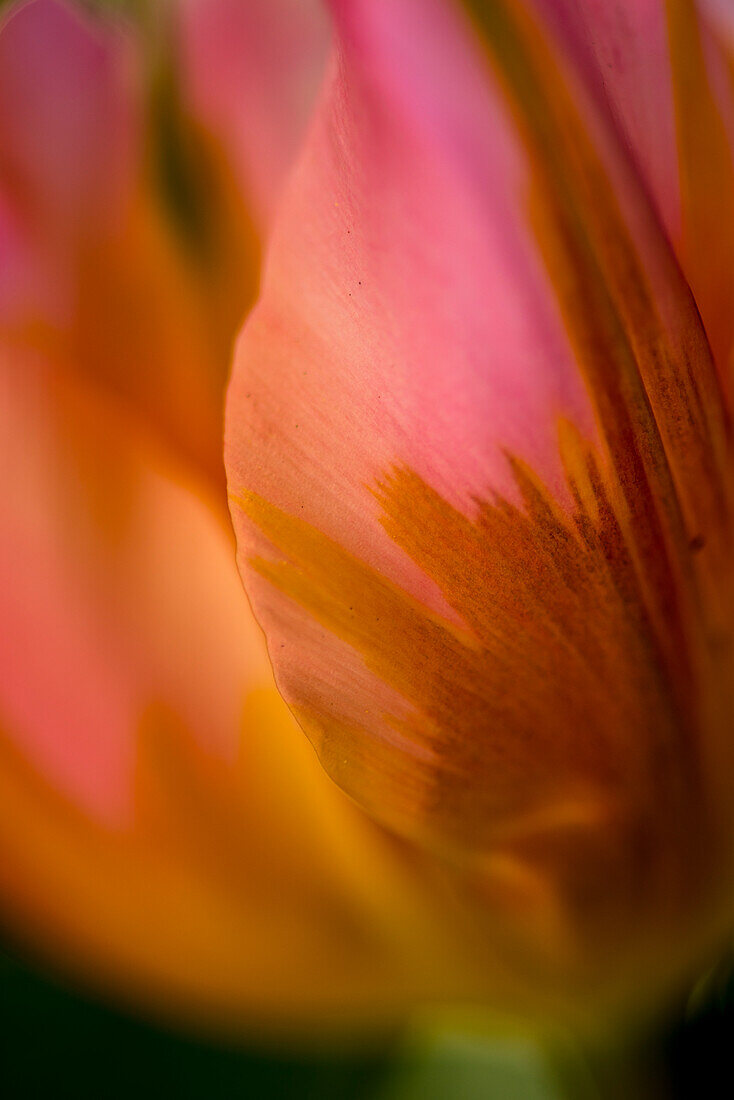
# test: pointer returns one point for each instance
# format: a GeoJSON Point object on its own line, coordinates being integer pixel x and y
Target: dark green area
{"type": "Point", "coordinates": [186, 184]}
{"type": "Point", "coordinates": [701, 1047]}
{"type": "Point", "coordinates": [61, 1044]}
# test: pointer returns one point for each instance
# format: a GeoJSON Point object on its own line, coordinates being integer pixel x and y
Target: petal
{"type": "Point", "coordinates": [703, 64]}
{"type": "Point", "coordinates": [66, 138]}
{"type": "Point", "coordinates": [67, 126]}
{"type": "Point", "coordinates": [252, 72]}
{"type": "Point", "coordinates": [161, 832]}
{"type": "Point", "coordinates": [664, 70]}
{"type": "Point", "coordinates": [136, 236]}
{"type": "Point", "coordinates": [165, 831]}
{"type": "Point", "coordinates": [475, 445]}
{"type": "Point", "coordinates": [624, 51]}
{"type": "Point", "coordinates": [100, 582]}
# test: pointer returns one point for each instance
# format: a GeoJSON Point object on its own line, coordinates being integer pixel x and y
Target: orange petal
{"type": "Point", "coordinates": [703, 82]}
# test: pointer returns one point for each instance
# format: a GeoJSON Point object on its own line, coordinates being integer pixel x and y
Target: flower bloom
{"type": "Point", "coordinates": [478, 450]}
{"type": "Point", "coordinates": [164, 828]}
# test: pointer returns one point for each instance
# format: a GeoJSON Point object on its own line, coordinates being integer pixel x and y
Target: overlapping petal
{"type": "Point", "coordinates": [477, 454]}
{"type": "Point", "coordinates": [140, 257]}
{"type": "Point", "coordinates": [163, 829]}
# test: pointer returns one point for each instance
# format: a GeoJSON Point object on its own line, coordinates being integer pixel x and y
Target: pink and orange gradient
{"type": "Point", "coordinates": [165, 831]}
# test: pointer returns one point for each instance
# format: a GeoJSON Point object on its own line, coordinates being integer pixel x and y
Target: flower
{"type": "Point", "coordinates": [165, 831]}
{"type": "Point", "coordinates": [479, 458]}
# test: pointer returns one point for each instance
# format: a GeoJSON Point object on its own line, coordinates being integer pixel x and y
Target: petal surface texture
{"type": "Point", "coordinates": [478, 463]}
{"type": "Point", "coordinates": [165, 830]}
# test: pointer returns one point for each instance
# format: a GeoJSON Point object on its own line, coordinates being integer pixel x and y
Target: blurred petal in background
{"type": "Point", "coordinates": [166, 832]}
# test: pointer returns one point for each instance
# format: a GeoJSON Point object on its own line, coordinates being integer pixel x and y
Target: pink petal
{"type": "Point", "coordinates": [101, 269]}
{"type": "Point", "coordinates": [66, 123]}
{"type": "Point", "coordinates": [405, 321]}
{"type": "Point", "coordinates": [364, 363]}
{"type": "Point", "coordinates": [118, 593]}
{"type": "Point", "coordinates": [475, 390]}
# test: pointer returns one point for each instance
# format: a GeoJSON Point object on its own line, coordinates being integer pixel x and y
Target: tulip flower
{"type": "Point", "coordinates": [478, 449]}
{"type": "Point", "coordinates": [166, 834]}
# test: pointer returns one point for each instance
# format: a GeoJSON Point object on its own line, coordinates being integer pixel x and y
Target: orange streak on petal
{"type": "Point", "coordinates": [545, 728]}
{"type": "Point", "coordinates": [706, 171]}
